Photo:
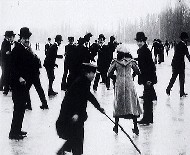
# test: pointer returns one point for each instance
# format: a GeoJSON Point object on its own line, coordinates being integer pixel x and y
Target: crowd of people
{"type": "Point", "coordinates": [21, 69]}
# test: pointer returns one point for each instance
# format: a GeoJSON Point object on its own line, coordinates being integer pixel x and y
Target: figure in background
{"type": "Point", "coordinates": [126, 104]}
{"type": "Point", "coordinates": [6, 48]}
{"type": "Point", "coordinates": [47, 46]}
{"type": "Point", "coordinates": [70, 63]}
{"type": "Point", "coordinates": [167, 46]}
{"type": "Point", "coordinates": [102, 62]}
{"type": "Point", "coordinates": [178, 64]}
{"type": "Point", "coordinates": [49, 63]}
{"type": "Point", "coordinates": [147, 77]}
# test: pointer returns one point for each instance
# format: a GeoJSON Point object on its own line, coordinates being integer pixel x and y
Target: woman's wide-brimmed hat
{"type": "Point", "coordinates": [122, 48]}
{"type": "Point", "coordinates": [140, 36]}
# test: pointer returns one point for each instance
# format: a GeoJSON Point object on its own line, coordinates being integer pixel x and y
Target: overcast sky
{"type": "Point", "coordinates": [15, 14]}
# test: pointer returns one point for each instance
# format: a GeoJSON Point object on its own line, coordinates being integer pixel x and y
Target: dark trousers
{"type": "Point", "coordinates": [19, 97]}
{"type": "Point", "coordinates": [51, 77]}
{"type": "Point", "coordinates": [37, 84]}
{"type": "Point", "coordinates": [181, 73]}
{"type": "Point", "coordinates": [104, 77]}
{"type": "Point", "coordinates": [75, 142]}
{"type": "Point", "coordinates": [5, 77]}
{"type": "Point", "coordinates": [149, 95]}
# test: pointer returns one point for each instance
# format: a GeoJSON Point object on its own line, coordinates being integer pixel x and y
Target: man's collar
{"type": "Point", "coordinates": [56, 43]}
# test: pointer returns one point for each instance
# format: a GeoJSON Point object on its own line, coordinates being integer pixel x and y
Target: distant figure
{"type": "Point", "coordinates": [94, 50]}
{"type": "Point", "coordinates": [47, 46]}
{"type": "Point", "coordinates": [6, 48]}
{"type": "Point", "coordinates": [178, 64]}
{"type": "Point", "coordinates": [167, 46]}
{"type": "Point", "coordinates": [126, 104]}
{"type": "Point", "coordinates": [70, 64]}
{"type": "Point", "coordinates": [49, 63]}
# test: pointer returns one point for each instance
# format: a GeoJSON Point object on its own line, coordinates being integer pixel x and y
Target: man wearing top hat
{"type": "Point", "coordinates": [86, 49]}
{"type": "Point", "coordinates": [147, 77]}
{"type": "Point", "coordinates": [49, 63]}
{"type": "Point", "coordinates": [178, 64]}
{"type": "Point", "coordinates": [6, 60]}
{"type": "Point", "coordinates": [47, 46]}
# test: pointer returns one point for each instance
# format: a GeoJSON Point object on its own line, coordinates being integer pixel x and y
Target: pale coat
{"type": "Point", "coordinates": [126, 104]}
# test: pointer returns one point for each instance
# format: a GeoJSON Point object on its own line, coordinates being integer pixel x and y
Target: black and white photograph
{"type": "Point", "coordinates": [94, 77]}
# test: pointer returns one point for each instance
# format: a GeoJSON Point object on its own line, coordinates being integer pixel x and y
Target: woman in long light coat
{"type": "Point", "coordinates": [126, 104]}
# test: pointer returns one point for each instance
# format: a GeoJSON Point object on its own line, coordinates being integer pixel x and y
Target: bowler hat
{"type": "Point", "coordinates": [112, 38]}
{"type": "Point", "coordinates": [49, 39]}
{"type": "Point", "coordinates": [71, 38]}
{"type": "Point", "coordinates": [184, 35]}
{"type": "Point", "coordinates": [87, 36]}
{"type": "Point", "coordinates": [58, 38]}
{"type": "Point", "coordinates": [88, 67]}
{"type": "Point", "coordinates": [140, 36]}
{"type": "Point", "coordinates": [101, 36]}
{"type": "Point", "coordinates": [25, 32]}
{"type": "Point", "coordinates": [9, 33]}
{"type": "Point", "coordinates": [81, 41]}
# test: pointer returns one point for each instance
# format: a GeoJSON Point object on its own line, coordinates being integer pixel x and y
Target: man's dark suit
{"type": "Point", "coordinates": [178, 66]}
{"type": "Point", "coordinates": [6, 60]}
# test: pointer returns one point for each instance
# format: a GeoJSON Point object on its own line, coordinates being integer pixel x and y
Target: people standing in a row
{"type": "Point", "coordinates": [147, 77]}
{"type": "Point", "coordinates": [47, 45]}
{"type": "Point", "coordinates": [178, 64]}
{"type": "Point", "coordinates": [126, 104]}
{"type": "Point", "coordinates": [49, 63]}
{"type": "Point", "coordinates": [6, 49]}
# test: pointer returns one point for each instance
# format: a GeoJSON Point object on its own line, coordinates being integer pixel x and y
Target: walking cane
{"type": "Point", "coordinates": [125, 133]}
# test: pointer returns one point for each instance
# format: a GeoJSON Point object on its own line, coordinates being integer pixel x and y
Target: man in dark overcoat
{"type": "Point", "coordinates": [147, 77]}
{"type": "Point", "coordinates": [70, 59]}
{"type": "Point", "coordinates": [49, 63]}
{"type": "Point", "coordinates": [24, 70]}
{"type": "Point", "coordinates": [6, 60]}
{"type": "Point", "coordinates": [178, 64]}
{"type": "Point", "coordinates": [102, 62]}
{"type": "Point", "coordinates": [47, 46]}
{"type": "Point", "coordinates": [70, 123]}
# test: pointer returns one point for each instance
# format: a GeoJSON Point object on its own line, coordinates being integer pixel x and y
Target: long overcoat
{"type": "Point", "coordinates": [126, 102]}
{"type": "Point", "coordinates": [146, 66]}
{"type": "Point", "coordinates": [75, 102]}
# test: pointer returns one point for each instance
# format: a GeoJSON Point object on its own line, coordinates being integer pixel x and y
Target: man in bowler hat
{"type": "Point", "coordinates": [147, 77]}
{"type": "Point", "coordinates": [24, 70]}
{"type": "Point", "coordinates": [178, 64]}
{"type": "Point", "coordinates": [6, 61]}
{"type": "Point", "coordinates": [49, 63]}
{"type": "Point", "coordinates": [70, 123]}
{"type": "Point", "coordinates": [47, 46]}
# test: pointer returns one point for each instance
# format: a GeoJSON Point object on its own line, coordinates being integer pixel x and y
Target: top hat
{"type": "Point", "coordinates": [101, 36]}
{"type": "Point", "coordinates": [71, 38]}
{"type": "Point", "coordinates": [184, 35]}
{"type": "Point", "coordinates": [140, 36]}
{"type": "Point", "coordinates": [9, 33]}
{"type": "Point", "coordinates": [123, 49]}
{"type": "Point", "coordinates": [87, 36]}
{"type": "Point", "coordinates": [25, 32]}
{"type": "Point", "coordinates": [58, 38]}
{"type": "Point", "coordinates": [88, 67]}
